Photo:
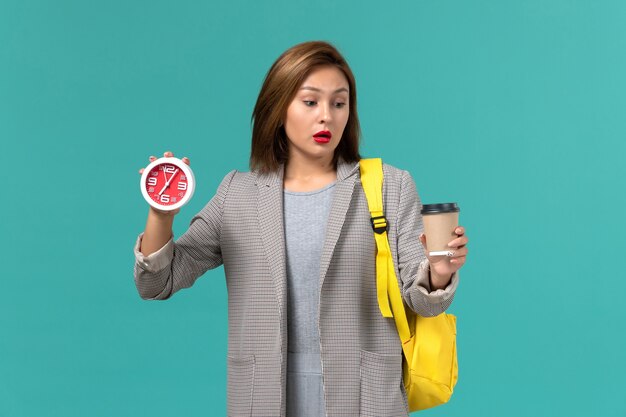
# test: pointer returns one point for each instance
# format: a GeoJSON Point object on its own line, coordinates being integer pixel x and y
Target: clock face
{"type": "Point", "coordinates": [167, 183]}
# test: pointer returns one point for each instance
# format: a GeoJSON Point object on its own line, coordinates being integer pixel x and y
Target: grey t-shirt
{"type": "Point", "coordinates": [306, 215]}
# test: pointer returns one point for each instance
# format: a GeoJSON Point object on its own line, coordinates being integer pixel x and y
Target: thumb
{"type": "Point", "coordinates": [423, 240]}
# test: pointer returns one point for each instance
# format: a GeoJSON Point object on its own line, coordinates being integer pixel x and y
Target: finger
{"type": "Point", "coordinates": [152, 158]}
{"type": "Point", "coordinates": [458, 261]}
{"type": "Point", "coordinates": [460, 230]}
{"type": "Point", "coordinates": [186, 160]}
{"type": "Point", "coordinates": [423, 240]}
{"type": "Point", "coordinates": [459, 242]}
{"type": "Point", "coordinates": [141, 171]}
{"type": "Point", "coordinates": [168, 154]}
{"type": "Point", "coordinates": [459, 253]}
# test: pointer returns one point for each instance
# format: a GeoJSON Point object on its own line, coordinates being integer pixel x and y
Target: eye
{"type": "Point", "coordinates": [309, 103]}
{"type": "Point", "coordinates": [340, 105]}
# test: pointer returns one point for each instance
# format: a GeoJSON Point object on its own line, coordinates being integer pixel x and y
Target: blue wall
{"type": "Point", "coordinates": [513, 109]}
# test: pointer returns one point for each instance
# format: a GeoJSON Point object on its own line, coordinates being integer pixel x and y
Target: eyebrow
{"type": "Point", "coordinates": [306, 87]}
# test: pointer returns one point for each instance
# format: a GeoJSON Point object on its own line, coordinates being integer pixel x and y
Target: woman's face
{"type": "Point", "coordinates": [321, 104]}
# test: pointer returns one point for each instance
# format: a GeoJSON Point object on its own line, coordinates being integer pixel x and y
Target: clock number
{"type": "Point", "coordinates": [182, 186]}
{"type": "Point", "coordinates": [169, 169]}
{"type": "Point", "coordinates": [165, 198]}
{"type": "Point", "coordinates": [152, 181]}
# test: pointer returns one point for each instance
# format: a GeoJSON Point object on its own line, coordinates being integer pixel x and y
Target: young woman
{"type": "Point", "coordinates": [305, 333]}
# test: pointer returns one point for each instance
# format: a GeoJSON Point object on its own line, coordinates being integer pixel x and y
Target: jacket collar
{"type": "Point", "coordinates": [344, 170]}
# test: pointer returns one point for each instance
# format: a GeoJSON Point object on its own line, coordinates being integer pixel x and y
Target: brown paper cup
{"type": "Point", "coordinates": [440, 220]}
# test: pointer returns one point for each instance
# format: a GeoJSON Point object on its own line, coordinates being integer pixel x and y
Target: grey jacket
{"type": "Point", "coordinates": [242, 228]}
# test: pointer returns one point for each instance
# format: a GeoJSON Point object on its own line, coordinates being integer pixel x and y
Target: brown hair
{"type": "Point", "coordinates": [269, 140]}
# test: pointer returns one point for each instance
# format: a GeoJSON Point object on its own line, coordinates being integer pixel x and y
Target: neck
{"type": "Point", "coordinates": [305, 170]}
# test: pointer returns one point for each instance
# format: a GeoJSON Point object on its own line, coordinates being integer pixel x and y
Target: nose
{"type": "Point", "coordinates": [325, 113]}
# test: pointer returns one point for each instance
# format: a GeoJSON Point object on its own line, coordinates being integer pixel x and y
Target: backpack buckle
{"type": "Point", "coordinates": [379, 224]}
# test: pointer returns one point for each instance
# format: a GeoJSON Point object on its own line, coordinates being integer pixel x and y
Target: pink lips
{"type": "Point", "coordinates": [322, 136]}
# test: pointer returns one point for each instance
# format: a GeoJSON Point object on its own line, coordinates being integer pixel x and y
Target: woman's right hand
{"type": "Point", "coordinates": [162, 213]}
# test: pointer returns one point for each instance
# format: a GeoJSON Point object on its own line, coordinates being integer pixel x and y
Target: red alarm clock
{"type": "Point", "coordinates": [167, 184]}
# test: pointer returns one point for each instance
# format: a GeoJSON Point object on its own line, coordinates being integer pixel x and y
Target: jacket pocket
{"type": "Point", "coordinates": [240, 386]}
{"type": "Point", "coordinates": [381, 385]}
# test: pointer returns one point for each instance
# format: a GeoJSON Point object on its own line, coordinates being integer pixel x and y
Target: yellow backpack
{"type": "Point", "coordinates": [430, 368]}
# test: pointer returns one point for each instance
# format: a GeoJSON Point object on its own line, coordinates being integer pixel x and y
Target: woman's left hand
{"type": "Point", "coordinates": [445, 266]}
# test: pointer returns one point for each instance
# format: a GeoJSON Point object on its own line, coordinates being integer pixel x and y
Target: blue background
{"type": "Point", "coordinates": [513, 109]}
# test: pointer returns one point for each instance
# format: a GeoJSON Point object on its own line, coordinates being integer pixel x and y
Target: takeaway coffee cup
{"type": "Point", "coordinates": [440, 220]}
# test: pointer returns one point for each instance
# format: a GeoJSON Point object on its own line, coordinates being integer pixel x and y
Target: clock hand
{"type": "Point", "coordinates": [172, 177]}
{"type": "Point", "coordinates": [167, 184]}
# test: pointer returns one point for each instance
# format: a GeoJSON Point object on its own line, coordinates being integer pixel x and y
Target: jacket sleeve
{"type": "Point", "coordinates": [413, 265]}
{"type": "Point", "coordinates": [178, 264]}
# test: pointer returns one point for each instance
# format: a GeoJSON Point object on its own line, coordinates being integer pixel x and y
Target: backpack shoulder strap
{"type": "Point", "coordinates": [372, 182]}
{"type": "Point", "coordinates": [387, 288]}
